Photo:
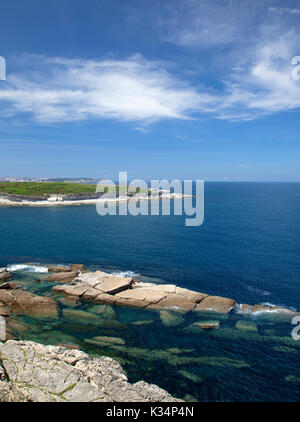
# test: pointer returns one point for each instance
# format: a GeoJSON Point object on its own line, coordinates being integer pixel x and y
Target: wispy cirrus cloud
{"type": "Point", "coordinates": [128, 90]}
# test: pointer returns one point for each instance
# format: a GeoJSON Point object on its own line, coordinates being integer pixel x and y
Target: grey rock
{"type": "Point", "coordinates": [34, 372]}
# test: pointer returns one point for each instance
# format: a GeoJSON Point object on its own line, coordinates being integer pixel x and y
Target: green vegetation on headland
{"type": "Point", "coordinates": [54, 188]}
{"type": "Point", "coordinates": [45, 188]}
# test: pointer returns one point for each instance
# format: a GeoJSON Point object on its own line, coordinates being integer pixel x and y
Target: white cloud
{"type": "Point", "coordinates": [266, 85]}
{"type": "Point", "coordinates": [128, 90]}
{"type": "Point", "coordinates": [140, 91]}
{"type": "Point", "coordinates": [284, 10]}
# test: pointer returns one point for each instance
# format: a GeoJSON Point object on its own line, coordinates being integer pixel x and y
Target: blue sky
{"type": "Point", "coordinates": [191, 89]}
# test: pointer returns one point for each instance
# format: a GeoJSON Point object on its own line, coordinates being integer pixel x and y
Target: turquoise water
{"type": "Point", "coordinates": [247, 249]}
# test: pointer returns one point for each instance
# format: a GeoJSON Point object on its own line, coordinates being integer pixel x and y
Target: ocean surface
{"type": "Point", "coordinates": [248, 249]}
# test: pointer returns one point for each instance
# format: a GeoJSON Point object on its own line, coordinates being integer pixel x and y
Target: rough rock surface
{"type": "Point", "coordinates": [22, 302]}
{"type": "Point", "coordinates": [33, 372]}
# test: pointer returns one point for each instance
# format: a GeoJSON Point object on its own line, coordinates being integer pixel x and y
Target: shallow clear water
{"type": "Point", "coordinates": [247, 249]}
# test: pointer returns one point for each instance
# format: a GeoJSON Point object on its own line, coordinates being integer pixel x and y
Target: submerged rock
{"type": "Point", "coordinates": [105, 311]}
{"type": "Point", "coordinates": [190, 376]}
{"type": "Point", "coordinates": [292, 378]}
{"type": "Point", "coordinates": [105, 340]}
{"type": "Point", "coordinates": [208, 325]}
{"type": "Point", "coordinates": [81, 317]}
{"type": "Point", "coordinates": [5, 275]}
{"type": "Point", "coordinates": [190, 398]}
{"type": "Point", "coordinates": [143, 322]}
{"type": "Point", "coordinates": [16, 324]}
{"type": "Point", "coordinates": [34, 372]}
{"type": "Point", "coordinates": [72, 301]}
{"type": "Point", "coordinates": [246, 325]}
{"type": "Point", "coordinates": [171, 319]}
{"type": "Point", "coordinates": [26, 303]}
{"type": "Point", "coordinates": [286, 349]}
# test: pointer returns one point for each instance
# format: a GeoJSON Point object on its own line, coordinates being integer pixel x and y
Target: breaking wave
{"type": "Point", "coordinates": [27, 268]}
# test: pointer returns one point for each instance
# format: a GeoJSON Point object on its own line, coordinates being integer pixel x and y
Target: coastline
{"type": "Point", "coordinates": [57, 201]}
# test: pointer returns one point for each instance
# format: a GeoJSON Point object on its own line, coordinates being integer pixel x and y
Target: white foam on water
{"type": "Point", "coordinates": [271, 305]}
{"type": "Point", "coordinates": [258, 291]}
{"type": "Point", "coordinates": [27, 268]}
{"type": "Point", "coordinates": [127, 274]}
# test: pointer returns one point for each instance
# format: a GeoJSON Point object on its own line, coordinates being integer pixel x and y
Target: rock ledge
{"type": "Point", "coordinates": [33, 372]}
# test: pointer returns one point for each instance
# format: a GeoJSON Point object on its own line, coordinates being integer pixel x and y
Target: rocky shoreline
{"type": "Point", "coordinates": [101, 287]}
{"type": "Point", "coordinates": [32, 372]}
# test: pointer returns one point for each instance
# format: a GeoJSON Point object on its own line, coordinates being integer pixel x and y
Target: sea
{"type": "Point", "coordinates": [248, 249]}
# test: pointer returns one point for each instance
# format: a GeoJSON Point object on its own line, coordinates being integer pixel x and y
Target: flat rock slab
{"type": "Point", "coordinates": [56, 374]}
{"type": "Point", "coordinates": [168, 288]}
{"type": "Point", "coordinates": [59, 269]}
{"type": "Point", "coordinates": [216, 304]}
{"type": "Point", "coordinates": [62, 277]}
{"type": "Point", "coordinates": [71, 290]}
{"type": "Point", "coordinates": [64, 269]}
{"type": "Point", "coordinates": [113, 285]}
{"type": "Point", "coordinates": [176, 302]}
{"type": "Point", "coordinates": [150, 296]}
{"type": "Point", "coordinates": [101, 287]}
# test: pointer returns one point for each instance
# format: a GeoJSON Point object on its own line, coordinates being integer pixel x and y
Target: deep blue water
{"type": "Point", "coordinates": [248, 249]}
